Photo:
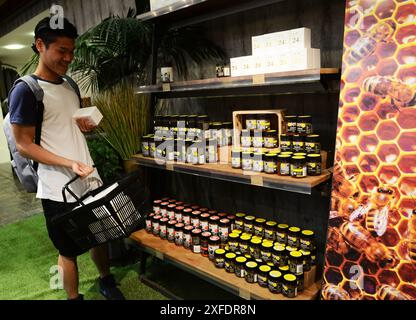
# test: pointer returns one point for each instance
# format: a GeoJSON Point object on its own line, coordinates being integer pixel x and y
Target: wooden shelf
{"type": "Point", "coordinates": [205, 269]}
{"type": "Point", "coordinates": [225, 172]}
{"type": "Point", "coordinates": [304, 81]}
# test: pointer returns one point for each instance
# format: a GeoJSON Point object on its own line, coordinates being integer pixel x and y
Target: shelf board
{"type": "Point", "coordinates": [225, 172]}
{"type": "Point", "coordinates": [303, 81]}
{"type": "Point", "coordinates": [204, 268]}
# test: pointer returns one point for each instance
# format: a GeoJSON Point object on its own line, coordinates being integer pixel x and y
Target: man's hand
{"type": "Point", "coordinates": [85, 124]}
{"type": "Point", "coordinates": [81, 169]}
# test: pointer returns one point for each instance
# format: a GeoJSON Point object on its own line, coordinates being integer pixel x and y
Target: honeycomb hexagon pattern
{"type": "Point", "coordinates": [371, 245]}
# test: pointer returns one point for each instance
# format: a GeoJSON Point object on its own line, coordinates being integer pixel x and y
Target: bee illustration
{"type": "Point", "coordinates": [387, 292]}
{"type": "Point", "coordinates": [336, 241]}
{"type": "Point", "coordinates": [400, 93]}
{"type": "Point", "coordinates": [361, 240]}
{"type": "Point", "coordinates": [342, 184]}
{"type": "Point", "coordinates": [412, 236]}
{"type": "Point", "coordinates": [367, 44]}
{"type": "Point", "coordinates": [333, 292]}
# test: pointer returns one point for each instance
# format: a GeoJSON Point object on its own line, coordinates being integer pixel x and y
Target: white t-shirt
{"type": "Point", "coordinates": [62, 136]}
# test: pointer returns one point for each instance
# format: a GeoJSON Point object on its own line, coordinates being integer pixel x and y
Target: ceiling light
{"type": "Point", "coordinates": [14, 46]}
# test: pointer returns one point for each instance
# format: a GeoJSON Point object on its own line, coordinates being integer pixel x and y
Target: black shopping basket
{"type": "Point", "coordinates": [113, 216]}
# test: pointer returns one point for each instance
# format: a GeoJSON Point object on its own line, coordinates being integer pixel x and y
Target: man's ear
{"type": "Point", "coordinates": [40, 46]}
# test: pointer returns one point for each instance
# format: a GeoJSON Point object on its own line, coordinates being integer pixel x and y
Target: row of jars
{"type": "Point", "coordinates": [298, 165]}
{"type": "Point", "coordinates": [302, 125]}
{"type": "Point", "coordinates": [309, 144]}
{"type": "Point", "coordinates": [259, 122]}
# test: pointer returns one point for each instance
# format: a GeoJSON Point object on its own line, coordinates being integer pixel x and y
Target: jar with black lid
{"type": "Point", "coordinates": [229, 262]}
{"type": "Point", "coordinates": [213, 244]}
{"type": "Point", "coordinates": [279, 258]}
{"type": "Point", "coordinates": [186, 216]}
{"type": "Point", "coordinates": [312, 144]}
{"type": "Point", "coordinates": [224, 230]}
{"type": "Point", "coordinates": [187, 238]}
{"type": "Point", "coordinates": [247, 160]}
{"type": "Point", "coordinates": [304, 125]}
{"type": "Point", "coordinates": [263, 122]}
{"type": "Point", "coordinates": [307, 263]}
{"type": "Point", "coordinates": [293, 237]}
{"type": "Point", "coordinates": [195, 218]}
{"type": "Point", "coordinates": [307, 240]}
{"type": "Point", "coordinates": [179, 233]}
{"type": "Point", "coordinates": [148, 221]}
{"type": "Point", "coordinates": [251, 271]}
{"type": "Point", "coordinates": [196, 240]}
{"type": "Point", "coordinates": [156, 224]}
{"type": "Point", "coordinates": [171, 211]}
{"type": "Point", "coordinates": [236, 159]}
{"type": "Point", "coordinates": [262, 274]}
{"type": "Point", "coordinates": [314, 164]}
{"type": "Point", "coordinates": [203, 122]}
{"type": "Point", "coordinates": [298, 143]}
{"type": "Point", "coordinates": [170, 229]}
{"type": "Point", "coordinates": [163, 228]}
{"type": "Point", "coordinates": [214, 225]}
{"type": "Point", "coordinates": [233, 242]}
{"type": "Point", "coordinates": [298, 167]}
{"type": "Point", "coordinates": [295, 262]}
{"type": "Point", "coordinates": [270, 230]}
{"type": "Point", "coordinates": [291, 124]}
{"type": "Point", "coordinates": [284, 163]}
{"type": "Point", "coordinates": [219, 258]}
{"type": "Point", "coordinates": [239, 220]}
{"type": "Point", "coordinates": [258, 140]}
{"type": "Point", "coordinates": [254, 246]}
{"type": "Point", "coordinates": [240, 266]}
{"type": "Point", "coordinates": [246, 138]}
{"type": "Point", "coordinates": [286, 143]}
{"type": "Point", "coordinates": [270, 139]}
{"type": "Point", "coordinates": [281, 233]}
{"type": "Point", "coordinates": [204, 243]}
{"type": "Point", "coordinates": [274, 281]}
{"type": "Point", "coordinates": [270, 163]}
{"type": "Point", "coordinates": [249, 224]}
{"type": "Point", "coordinates": [259, 227]}
{"type": "Point", "coordinates": [289, 286]}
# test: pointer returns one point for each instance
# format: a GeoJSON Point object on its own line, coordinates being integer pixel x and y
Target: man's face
{"type": "Point", "coordinates": [58, 55]}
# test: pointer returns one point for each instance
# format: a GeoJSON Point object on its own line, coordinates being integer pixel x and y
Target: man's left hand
{"type": "Point", "coordinates": [85, 125]}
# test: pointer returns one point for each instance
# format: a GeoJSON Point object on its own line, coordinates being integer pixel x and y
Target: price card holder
{"type": "Point", "coordinates": [257, 180]}
{"type": "Point", "coordinates": [259, 79]}
{"type": "Point", "coordinates": [166, 87]}
{"type": "Point", "coordinates": [159, 255]}
{"type": "Point", "coordinates": [169, 166]}
{"type": "Point", "coordinates": [244, 294]}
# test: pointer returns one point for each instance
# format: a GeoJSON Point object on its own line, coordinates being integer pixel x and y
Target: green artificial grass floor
{"type": "Point", "coordinates": [26, 259]}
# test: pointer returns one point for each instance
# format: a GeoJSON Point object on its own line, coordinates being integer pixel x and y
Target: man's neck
{"type": "Point", "coordinates": [45, 73]}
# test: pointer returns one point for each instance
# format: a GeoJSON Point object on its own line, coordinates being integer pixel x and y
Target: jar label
{"type": "Point", "coordinates": [291, 127]}
{"type": "Point", "coordinates": [186, 220]}
{"type": "Point", "coordinates": [236, 162]}
{"type": "Point", "coordinates": [196, 248]}
{"type": "Point", "coordinates": [263, 124]}
{"type": "Point", "coordinates": [270, 167]}
{"type": "Point", "coordinates": [262, 280]}
{"type": "Point", "coordinates": [171, 215]}
{"type": "Point", "coordinates": [195, 223]}
{"type": "Point", "coordinates": [268, 234]}
{"type": "Point", "coordinates": [162, 230]}
{"type": "Point", "coordinates": [219, 262]}
{"type": "Point", "coordinates": [270, 142]}
{"type": "Point", "coordinates": [314, 168]}
{"type": "Point", "coordinates": [258, 231]}
{"type": "Point", "coordinates": [299, 269]}
{"type": "Point", "coordinates": [265, 256]}
{"type": "Point", "coordinates": [204, 225]}
{"type": "Point", "coordinates": [223, 233]}
{"type": "Point", "coordinates": [213, 228]}
{"type": "Point", "coordinates": [285, 169]}
{"type": "Point", "coordinates": [178, 217]}
{"type": "Point", "coordinates": [148, 224]}
{"type": "Point", "coordinates": [258, 166]}
{"type": "Point", "coordinates": [239, 225]}
{"type": "Point", "coordinates": [211, 251]}
{"type": "Point", "coordinates": [251, 124]}
{"type": "Point", "coordinates": [281, 237]}
{"type": "Point", "coordinates": [178, 238]}
{"type": "Point", "coordinates": [246, 141]}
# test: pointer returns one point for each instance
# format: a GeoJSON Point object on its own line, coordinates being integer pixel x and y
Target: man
{"type": "Point", "coordinates": [63, 151]}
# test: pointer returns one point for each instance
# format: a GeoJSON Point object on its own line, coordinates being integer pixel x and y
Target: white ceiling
{"type": "Point", "coordinates": [22, 35]}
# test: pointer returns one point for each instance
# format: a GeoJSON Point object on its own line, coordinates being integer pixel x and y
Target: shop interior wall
{"type": "Point", "coordinates": [326, 20]}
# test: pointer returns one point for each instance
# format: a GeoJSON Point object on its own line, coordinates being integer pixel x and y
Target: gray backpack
{"type": "Point", "coordinates": [26, 169]}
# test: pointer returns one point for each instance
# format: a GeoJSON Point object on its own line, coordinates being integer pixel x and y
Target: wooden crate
{"type": "Point", "coordinates": [239, 122]}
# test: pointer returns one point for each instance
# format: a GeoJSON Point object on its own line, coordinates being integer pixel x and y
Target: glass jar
{"type": "Point", "coordinates": [179, 233]}
{"type": "Point", "coordinates": [228, 134]}
{"type": "Point", "coordinates": [240, 266]}
{"type": "Point", "coordinates": [236, 159]}
{"type": "Point", "coordinates": [283, 167]}
{"type": "Point", "coordinates": [231, 217]}
{"type": "Point", "coordinates": [291, 124]}
{"type": "Point", "coordinates": [313, 144]}
{"type": "Point", "coordinates": [270, 230]}
{"type": "Point", "coordinates": [288, 250]}
{"type": "Point", "coordinates": [205, 243]}
{"type": "Point", "coordinates": [171, 211]}
{"type": "Point", "coordinates": [314, 165]}
{"type": "Point", "coordinates": [257, 140]}
{"type": "Point", "coordinates": [270, 163]}
{"type": "Point", "coordinates": [251, 271]}
{"type": "Point", "coordinates": [178, 213]}
{"type": "Point", "coordinates": [152, 146]}
{"type": "Point", "coordinates": [258, 163]}
{"type": "Point", "coordinates": [163, 228]}
{"type": "Point", "coordinates": [307, 263]}
{"type": "Point", "coordinates": [216, 131]}
{"type": "Point", "coordinates": [186, 216]}
{"type": "Point", "coordinates": [259, 227]}
{"type": "Point", "coordinates": [171, 230]}
{"type": "Point", "coordinates": [224, 230]}
{"type": "Point", "coordinates": [214, 225]}
{"type": "Point", "coordinates": [156, 206]}
{"type": "Point", "coordinates": [262, 274]}
{"type": "Point", "coordinates": [246, 138]}
{"type": "Point", "coordinates": [293, 237]}
{"type": "Point", "coordinates": [307, 240]}
{"type": "Point", "coordinates": [286, 143]}
{"type": "Point", "coordinates": [247, 161]}
{"type": "Point", "coordinates": [219, 258]}
{"type": "Point", "coordinates": [274, 281]}
{"type": "Point", "coordinates": [249, 224]}
{"type": "Point", "coordinates": [289, 286]}
{"type": "Point", "coordinates": [239, 220]}
{"type": "Point", "coordinates": [298, 167]}
{"type": "Point", "coordinates": [196, 240]}
{"type": "Point", "coordinates": [156, 225]}
{"type": "Point", "coordinates": [187, 238]}
{"type": "Point", "coordinates": [164, 209]}
{"type": "Point", "coordinates": [213, 244]}
{"type": "Point", "coordinates": [201, 151]}
{"type": "Point", "coordinates": [279, 258]}
{"type": "Point", "coordinates": [270, 139]}
{"type": "Point", "coordinates": [195, 219]}
{"type": "Point", "coordinates": [229, 262]}
{"type": "Point", "coordinates": [233, 242]}
{"type": "Point", "coordinates": [211, 151]}
{"type": "Point", "coordinates": [298, 143]}
{"type": "Point", "coordinates": [263, 122]}
{"type": "Point", "coordinates": [295, 262]}
{"type": "Point", "coordinates": [251, 122]}
{"type": "Point", "coordinates": [243, 244]}
{"type": "Point", "coordinates": [204, 221]}
{"type": "Point", "coordinates": [254, 246]}
{"type": "Point", "coordinates": [266, 251]}
{"type": "Point", "coordinates": [281, 233]}
{"type": "Point", "coordinates": [304, 125]}
{"type": "Point", "coordinates": [148, 221]}
{"type": "Point", "coordinates": [145, 146]}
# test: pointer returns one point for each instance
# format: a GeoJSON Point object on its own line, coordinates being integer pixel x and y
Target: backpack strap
{"type": "Point", "coordinates": [74, 86]}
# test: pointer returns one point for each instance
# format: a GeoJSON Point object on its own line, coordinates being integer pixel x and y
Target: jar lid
{"type": "Point", "coordinates": [279, 248]}
{"type": "Point", "coordinates": [180, 208]}
{"type": "Point", "coordinates": [291, 249]}
{"type": "Point", "coordinates": [164, 204]}
{"type": "Point", "coordinates": [305, 117]}
{"type": "Point", "coordinates": [203, 116]}
{"type": "Point", "coordinates": [172, 222]}
{"type": "Point", "coordinates": [230, 255]}
{"type": "Point", "coordinates": [289, 277]}
{"type": "Point", "coordinates": [305, 253]}
{"type": "Point", "coordinates": [196, 213]}
{"type": "Point", "coordinates": [179, 225]}
{"type": "Point", "coordinates": [284, 268]}
{"type": "Point", "coordinates": [294, 229]}
{"type": "Point", "coordinates": [220, 251]}
{"type": "Point", "coordinates": [214, 218]}
{"type": "Point", "coordinates": [157, 201]}
{"type": "Point", "coordinates": [164, 220]}
{"type": "Point", "coordinates": [299, 154]}
{"type": "Point", "coordinates": [187, 210]}
{"type": "Point", "coordinates": [205, 215]}
{"type": "Point", "coordinates": [214, 238]}
{"type": "Point", "coordinates": [245, 237]}
{"type": "Point", "coordinates": [233, 235]}
{"type": "Point", "coordinates": [265, 268]}
{"type": "Point", "coordinates": [250, 218]}
{"type": "Point", "coordinates": [271, 223]}
{"type": "Point", "coordinates": [231, 217]}
{"type": "Point", "coordinates": [224, 221]}
{"type": "Point", "coordinates": [267, 244]}
{"type": "Point", "coordinates": [157, 217]}
{"type": "Point", "coordinates": [240, 215]}
{"type": "Point", "coordinates": [149, 215]}
{"type": "Point", "coordinates": [172, 206]}
{"type": "Point", "coordinates": [296, 254]}
{"type": "Point", "coordinates": [284, 156]}
{"type": "Point", "coordinates": [206, 234]}
{"type": "Point", "coordinates": [212, 212]}
{"type": "Point", "coordinates": [236, 231]}
{"type": "Point", "coordinates": [271, 155]}
{"type": "Point", "coordinates": [275, 274]}
{"type": "Point", "coordinates": [282, 226]}
{"type": "Point", "coordinates": [196, 231]}
{"type": "Point", "coordinates": [314, 156]}
{"type": "Point", "coordinates": [260, 220]}
{"type": "Point", "coordinates": [255, 241]}
{"type": "Point", "coordinates": [308, 233]}
{"type": "Point", "coordinates": [291, 117]}
{"type": "Point", "coordinates": [241, 259]}
{"type": "Point", "coordinates": [189, 228]}
{"type": "Point", "coordinates": [251, 264]}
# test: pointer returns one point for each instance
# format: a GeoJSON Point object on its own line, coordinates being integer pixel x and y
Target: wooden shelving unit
{"type": "Point", "coordinates": [204, 268]}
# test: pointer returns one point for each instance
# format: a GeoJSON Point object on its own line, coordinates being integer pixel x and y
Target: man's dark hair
{"type": "Point", "coordinates": [48, 35]}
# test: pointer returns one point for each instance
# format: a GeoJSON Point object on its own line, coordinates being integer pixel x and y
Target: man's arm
{"type": "Point", "coordinates": [27, 148]}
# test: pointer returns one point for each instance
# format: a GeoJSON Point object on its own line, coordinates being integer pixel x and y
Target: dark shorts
{"type": "Point", "coordinates": [62, 242]}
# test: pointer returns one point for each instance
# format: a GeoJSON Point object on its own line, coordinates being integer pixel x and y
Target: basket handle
{"type": "Point", "coordinates": [66, 188]}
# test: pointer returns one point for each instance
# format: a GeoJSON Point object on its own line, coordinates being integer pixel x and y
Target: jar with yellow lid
{"type": "Point", "coordinates": [281, 233]}
{"type": "Point", "coordinates": [296, 263]}
{"type": "Point", "coordinates": [263, 122]}
{"type": "Point", "coordinates": [249, 224]}
{"type": "Point", "coordinates": [304, 124]}
{"type": "Point", "coordinates": [251, 271]}
{"type": "Point", "coordinates": [262, 274]}
{"type": "Point", "coordinates": [291, 123]}
{"type": "Point", "coordinates": [270, 230]}
{"type": "Point", "coordinates": [289, 286]}
{"type": "Point", "coordinates": [283, 164]}
{"type": "Point", "coordinates": [298, 167]}
{"type": "Point", "coordinates": [233, 242]}
{"type": "Point", "coordinates": [258, 140]}
{"type": "Point", "coordinates": [279, 257]}
{"type": "Point", "coordinates": [255, 244]}
{"type": "Point", "coordinates": [298, 143]}
{"type": "Point", "coordinates": [239, 220]}
{"type": "Point", "coordinates": [286, 143]}
{"type": "Point", "coordinates": [259, 227]}
{"type": "Point", "coordinates": [246, 138]}
{"type": "Point", "coordinates": [240, 266]}
{"type": "Point", "coordinates": [270, 163]}
{"type": "Point", "coordinates": [243, 244]}
{"type": "Point", "coordinates": [312, 144]}
{"type": "Point", "coordinates": [307, 265]}
{"type": "Point", "coordinates": [289, 249]}
{"type": "Point", "coordinates": [274, 281]}
{"type": "Point", "coordinates": [270, 139]}
{"type": "Point", "coordinates": [219, 260]}
{"type": "Point", "coordinates": [266, 251]}
{"type": "Point", "coordinates": [238, 232]}
{"type": "Point", "coordinates": [314, 164]}
{"type": "Point", "coordinates": [229, 261]}
{"type": "Point", "coordinates": [307, 240]}
{"type": "Point", "coordinates": [293, 237]}
{"type": "Point", "coordinates": [284, 269]}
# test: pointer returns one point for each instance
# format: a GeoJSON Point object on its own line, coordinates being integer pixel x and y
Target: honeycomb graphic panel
{"type": "Point", "coordinates": [371, 245]}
